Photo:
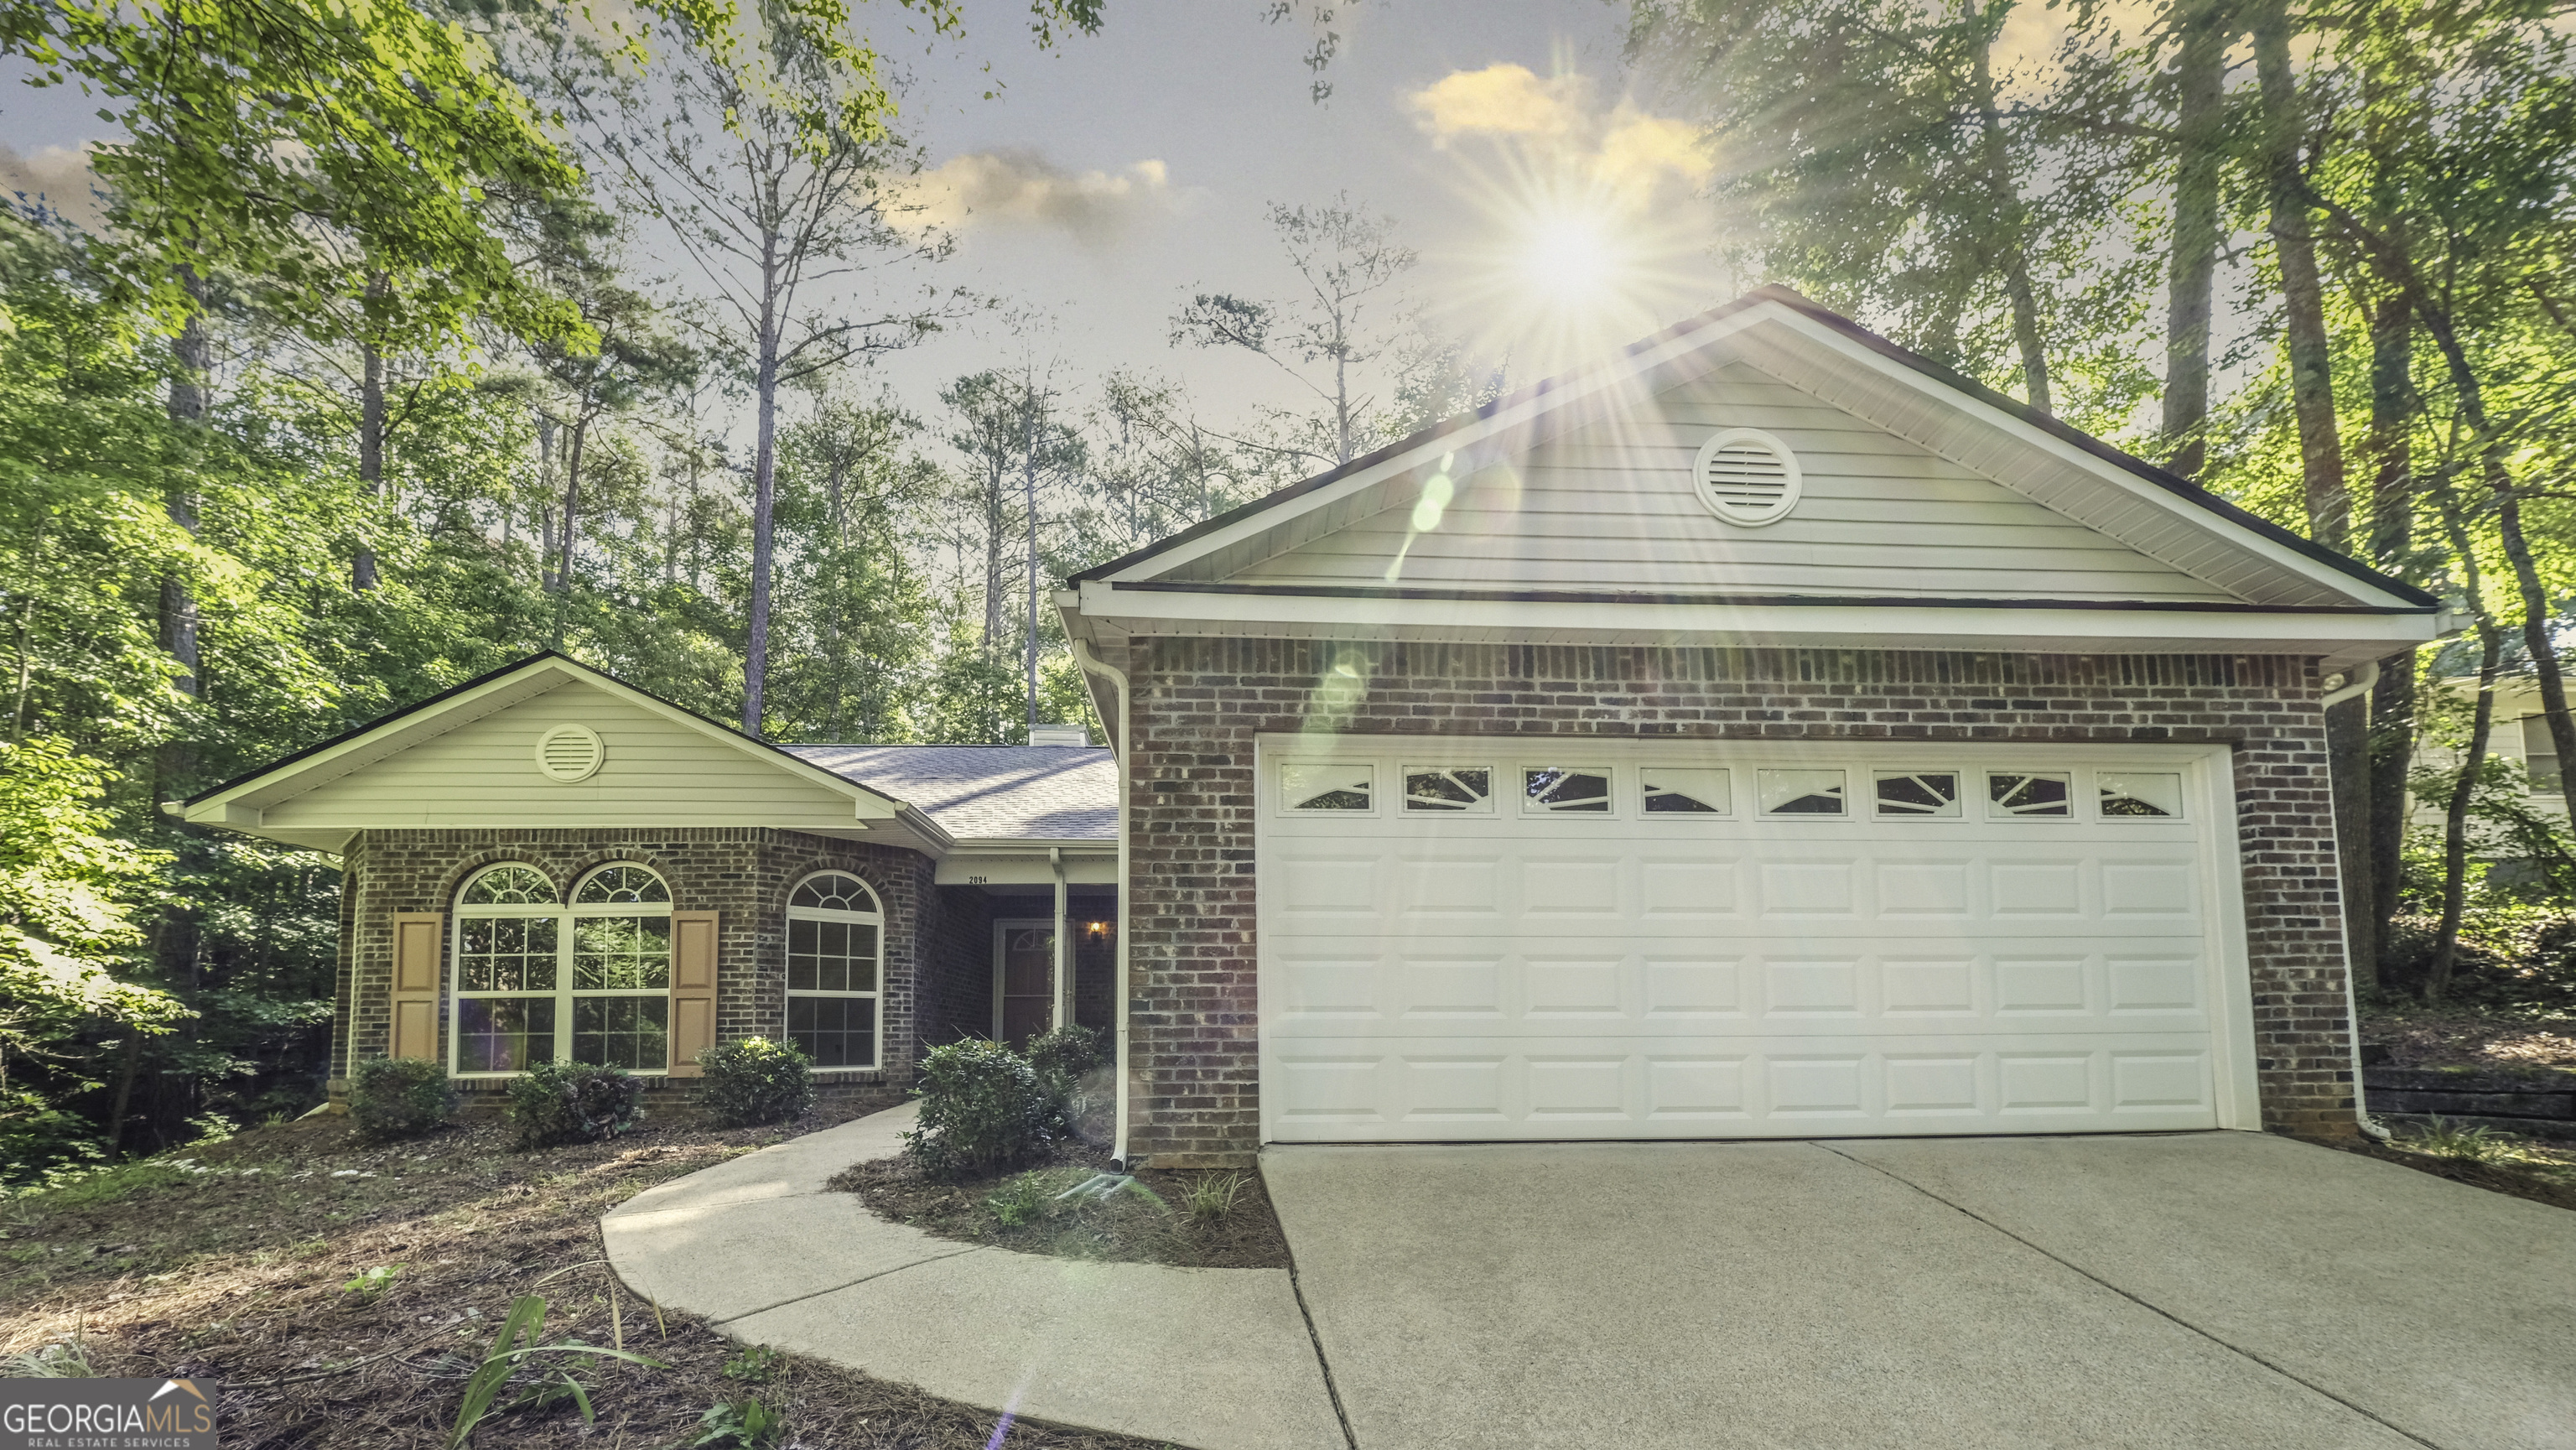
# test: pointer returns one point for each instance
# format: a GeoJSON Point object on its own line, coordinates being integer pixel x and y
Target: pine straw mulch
{"type": "Point", "coordinates": [2546, 1172]}
{"type": "Point", "coordinates": [1155, 1227]}
{"type": "Point", "coordinates": [2510, 1044]}
{"type": "Point", "coordinates": [229, 1261]}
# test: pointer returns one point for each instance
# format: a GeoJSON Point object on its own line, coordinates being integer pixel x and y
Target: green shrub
{"type": "Point", "coordinates": [1065, 1053]}
{"type": "Point", "coordinates": [574, 1102]}
{"type": "Point", "coordinates": [982, 1108]}
{"type": "Point", "coordinates": [755, 1081]}
{"type": "Point", "coordinates": [400, 1097]}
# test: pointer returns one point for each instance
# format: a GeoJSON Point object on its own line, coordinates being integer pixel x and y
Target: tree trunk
{"type": "Point", "coordinates": [2348, 786]}
{"type": "Point", "coordinates": [764, 501]}
{"type": "Point", "coordinates": [2302, 294]}
{"type": "Point", "coordinates": [2013, 217]}
{"type": "Point", "coordinates": [1029, 487]}
{"type": "Point", "coordinates": [2200, 74]}
{"type": "Point", "coordinates": [571, 502]}
{"type": "Point", "coordinates": [2455, 816]}
{"type": "Point", "coordinates": [125, 1067]}
{"type": "Point", "coordinates": [371, 443]}
{"type": "Point", "coordinates": [992, 557]}
{"type": "Point", "coordinates": [2392, 529]}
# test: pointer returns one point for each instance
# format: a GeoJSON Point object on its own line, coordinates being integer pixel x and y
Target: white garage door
{"type": "Point", "coordinates": [1493, 939]}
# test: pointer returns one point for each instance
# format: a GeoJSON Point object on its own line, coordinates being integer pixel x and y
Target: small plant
{"type": "Point", "coordinates": [400, 1097]}
{"type": "Point", "coordinates": [750, 1425]}
{"type": "Point", "coordinates": [755, 1081]}
{"type": "Point", "coordinates": [756, 1365]}
{"type": "Point", "coordinates": [1213, 1197]}
{"type": "Point", "coordinates": [1022, 1201]}
{"type": "Point", "coordinates": [982, 1108]}
{"type": "Point", "coordinates": [2441, 1139]}
{"type": "Point", "coordinates": [507, 1357]}
{"type": "Point", "coordinates": [574, 1102]}
{"type": "Point", "coordinates": [64, 1359]}
{"type": "Point", "coordinates": [370, 1284]}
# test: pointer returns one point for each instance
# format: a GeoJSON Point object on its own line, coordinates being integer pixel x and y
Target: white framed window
{"type": "Point", "coordinates": [2129, 795]}
{"type": "Point", "coordinates": [1916, 794]}
{"type": "Point", "coordinates": [536, 980]}
{"type": "Point", "coordinates": [2030, 795]}
{"type": "Point", "coordinates": [1565, 790]}
{"type": "Point", "coordinates": [1802, 793]}
{"type": "Point", "coordinates": [1466, 790]}
{"type": "Point", "coordinates": [1679, 792]}
{"type": "Point", "coordinates": [835, 970]}
{"type": "Point", "coordinates": [1312, 788]}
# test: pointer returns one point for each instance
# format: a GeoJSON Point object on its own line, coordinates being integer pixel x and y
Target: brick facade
{"type": "Point", "coordinates": [1198, 703]}
{"type": "Point", "coordinates": [742, 874]}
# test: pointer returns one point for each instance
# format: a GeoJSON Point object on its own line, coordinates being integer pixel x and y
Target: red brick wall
{"type": "Point", "coordinates": [742, 874]}
{"type": "Point", "coordinates": [1199, 702]}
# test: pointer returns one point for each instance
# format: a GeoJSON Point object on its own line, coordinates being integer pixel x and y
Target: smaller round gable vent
{"type": "Point", "coordinates": [569, 753]}
{"type": "Point", "coordinates": [1746, 477]}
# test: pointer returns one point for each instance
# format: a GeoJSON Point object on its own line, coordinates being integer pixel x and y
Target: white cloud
{"type": "Point", "coordinates": [58, 175]}
{"type": "Point", "coordinates": [1560, 123]}
{"type": "Point", "coordinates": [1017, 186]}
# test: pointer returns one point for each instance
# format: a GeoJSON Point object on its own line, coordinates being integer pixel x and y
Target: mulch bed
{"type": "Point", "coordinates": [1127, 1227]}
{"type": "Point", "coordinates": [232, 1260]}
{"type": "Point", "coordinates": [2505, 1043]}
{"type": "Point", "coordinates": [2494, 1177]}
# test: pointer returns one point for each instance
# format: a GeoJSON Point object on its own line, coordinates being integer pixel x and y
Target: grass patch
{"type": "Point", "coordinates": [270, 1262]}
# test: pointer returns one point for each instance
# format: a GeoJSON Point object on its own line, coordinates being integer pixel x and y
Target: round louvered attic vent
{"type": "Point", "coordinates": [569, 753]}
{"type": "Point", "coordinates": [1746, 477]}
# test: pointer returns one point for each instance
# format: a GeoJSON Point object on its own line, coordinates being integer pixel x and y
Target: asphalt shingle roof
{"type": "Point", "coordinates": [989, 792]}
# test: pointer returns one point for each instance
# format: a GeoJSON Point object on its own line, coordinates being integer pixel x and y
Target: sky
{"type": "Point", "coordinates": [1110, 179]}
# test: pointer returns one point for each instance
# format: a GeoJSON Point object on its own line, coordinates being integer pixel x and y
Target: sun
{"type": "Point", "coordinates": [1574, 259]}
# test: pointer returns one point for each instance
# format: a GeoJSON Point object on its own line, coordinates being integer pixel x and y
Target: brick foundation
{"type": "Point", "coordinates": [1199, 703]}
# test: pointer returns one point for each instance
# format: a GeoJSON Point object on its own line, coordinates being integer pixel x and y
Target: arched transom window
{"type": "Point", "coordinates": [540, 981]}
{"type": "Point", "coordinates": [835, 942]}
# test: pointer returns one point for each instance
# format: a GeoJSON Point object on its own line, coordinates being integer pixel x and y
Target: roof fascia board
{"type": "Point", "coordinates": [2019, 625]}
{"type": "Point", "coordinates": [2241, 529]}
{"type": "Point", "coordinates": [1524, 420]}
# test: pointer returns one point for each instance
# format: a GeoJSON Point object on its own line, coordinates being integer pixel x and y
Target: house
{"type": "Point", "coordinates": [549, 863]}
{"type": "Point", "coordinates": [1767, 733]}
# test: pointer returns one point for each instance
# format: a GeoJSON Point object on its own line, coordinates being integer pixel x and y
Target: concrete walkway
{"type": "Point", "coordinates": [1220, 1359]}
{"type": "Point", "coordinates": [2199, 1290]}
{"type": "Point", "coordinates": [2188, 1290]}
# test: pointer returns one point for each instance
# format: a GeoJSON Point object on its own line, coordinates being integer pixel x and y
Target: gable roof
{"type": "Point", "coordinates": [1588, 531]}
{"type": "Point", "coordinates": [1835, 359]}
{"type": "Point", "coordinates": [1033, 793]}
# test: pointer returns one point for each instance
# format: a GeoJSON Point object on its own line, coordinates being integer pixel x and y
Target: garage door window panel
{"type": "Point", "coordinates": [1802, 792]}
{"type": "Point", "coordinates": [1327, 789]}
{"type": "Point", "coordinates": [1548, 790]}
{"type": "Point", "coordinates": [1918, 794]}
{"type": "Point", "coordinates": [1466, 790]}
{"type": "Point", "coordinates": [2140, 794]}
{"type": "Point", "coordinates": [1683, 791]}
{"type": "Point", "coordinates": [2040, 796]}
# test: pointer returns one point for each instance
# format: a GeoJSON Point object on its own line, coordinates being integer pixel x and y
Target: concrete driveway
{"type": "Point", "coordinates": [2202, 1290]}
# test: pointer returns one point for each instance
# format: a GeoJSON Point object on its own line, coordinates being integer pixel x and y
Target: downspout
{"type": "Point", "coordinates": [2356, 684]}
{"type": "Point", "coordinates": [1062, 1010]}
{"type": "Point", "coordinates": [1118, 746]}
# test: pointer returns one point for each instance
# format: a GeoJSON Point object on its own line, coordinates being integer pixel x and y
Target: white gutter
{"type": "Point", "coordinates": [1119, 745]}
{"type": "Point", "coordinates": [2355, 683]}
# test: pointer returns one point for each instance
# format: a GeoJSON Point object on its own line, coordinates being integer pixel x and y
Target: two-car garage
{"type": "Point", "coordinates": [1559, 937]}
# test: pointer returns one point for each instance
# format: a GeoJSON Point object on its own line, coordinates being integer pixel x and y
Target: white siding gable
{"type": "Point", "coordinates": [658, 772]}
{"type": "Point", "coordinates": [1609, 507]}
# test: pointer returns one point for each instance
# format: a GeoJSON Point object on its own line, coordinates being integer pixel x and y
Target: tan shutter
{"type": "Point", "coordinates": [419, 937]}
{"type": "Point", "coordinates": [693, 989]}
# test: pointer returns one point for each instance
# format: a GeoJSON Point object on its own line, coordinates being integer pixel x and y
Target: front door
{"type": "Point", "coordinates": [1026, 972]}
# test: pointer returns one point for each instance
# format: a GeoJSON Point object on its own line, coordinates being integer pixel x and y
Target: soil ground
{"type": "Point", "coordinates": [2504, 1044]}
{"type": "Point", "coordinates": [1156, 1226]}
{"type": "Point", "coordinates": [236, 1260]}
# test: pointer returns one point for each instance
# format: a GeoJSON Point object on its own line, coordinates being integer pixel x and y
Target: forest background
{"type": "Point", "coordinates": [361, 384]}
